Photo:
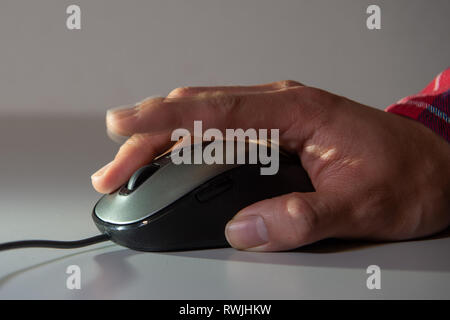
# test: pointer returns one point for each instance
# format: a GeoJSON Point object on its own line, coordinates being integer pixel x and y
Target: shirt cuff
{"type": "Point", "coordinates": [431, 106]}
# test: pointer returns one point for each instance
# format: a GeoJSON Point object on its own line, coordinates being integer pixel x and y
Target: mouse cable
{"type": "Point", "coordinates": [53, 244]}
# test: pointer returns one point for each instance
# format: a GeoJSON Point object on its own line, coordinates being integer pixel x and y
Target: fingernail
{"type": "Point", "coordinates": [100, 172]}
{"type": "Point", "coordinates": [122, 112]}
{"type": "Point", "coordinates": [128, 110]}
{"type": "Point", "coordinates": [148, 98]}
{"type": "Point", "coordinates": [116, 137]}
{"type": "Point", "coordinates": [248, 232]}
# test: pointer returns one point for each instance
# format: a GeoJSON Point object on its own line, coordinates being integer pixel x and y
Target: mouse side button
{"type": "Point", "coordinates": [214, 188]}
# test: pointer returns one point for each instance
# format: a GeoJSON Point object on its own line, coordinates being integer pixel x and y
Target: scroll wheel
{"type": "Point", "coordinates": [141, 175]}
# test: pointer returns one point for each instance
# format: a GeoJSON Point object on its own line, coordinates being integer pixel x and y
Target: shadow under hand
{"type": "Point", "coordinates": [428, 254]}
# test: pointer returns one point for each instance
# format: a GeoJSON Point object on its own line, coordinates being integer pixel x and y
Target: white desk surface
{"type": "Point", "coordinates": [45, 192]}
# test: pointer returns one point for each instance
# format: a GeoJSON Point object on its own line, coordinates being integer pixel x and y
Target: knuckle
{"type": "Point", "coordinates": [225, 103]}
{"type": "Point", "coordinates": [320, 98]}
{"type": "Point", "coordinates": [311, 103]}
{"type": "Point", "coordinates": [180, 92]}
{"type": "Point", "coordinates": [310, 93]}
{"type": "Point", "coordinates": [284, 84]}
{"type": "Point", "coordinates": [302, 218]}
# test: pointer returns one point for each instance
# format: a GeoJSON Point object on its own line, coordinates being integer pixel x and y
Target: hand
{"type": "Point", "coordinates": [377, 175]}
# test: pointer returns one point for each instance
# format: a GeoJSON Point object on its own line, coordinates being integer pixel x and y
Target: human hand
{"type": "Point", "coordinates": [377, 175]}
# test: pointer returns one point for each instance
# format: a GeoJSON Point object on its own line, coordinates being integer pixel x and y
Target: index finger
{"type": "Point", "coordinates": [278, 109]}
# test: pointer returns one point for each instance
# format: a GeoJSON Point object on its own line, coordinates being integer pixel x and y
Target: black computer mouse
{"type": "Point", "coordinates": [167, 206]}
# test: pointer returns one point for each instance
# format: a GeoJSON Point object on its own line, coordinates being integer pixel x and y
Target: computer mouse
{"type": "Point", "coordinates": [166, 206]}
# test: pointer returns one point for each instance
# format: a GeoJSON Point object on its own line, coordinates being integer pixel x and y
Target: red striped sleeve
{"type": "Point", "coordinates": [431, 106]}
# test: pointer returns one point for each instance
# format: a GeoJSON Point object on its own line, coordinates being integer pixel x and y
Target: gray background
{"type": "Point", "coordinates": [56, 84]}
{"type": "Point", "coordinates": [128, 50]}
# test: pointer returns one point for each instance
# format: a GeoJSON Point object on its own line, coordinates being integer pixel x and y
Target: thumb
{"type": "Point", "coordinates": [284, 222]}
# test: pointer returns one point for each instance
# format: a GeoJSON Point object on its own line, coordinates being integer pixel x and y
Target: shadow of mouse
{"type": "Point", "coordinates": [115, 274]}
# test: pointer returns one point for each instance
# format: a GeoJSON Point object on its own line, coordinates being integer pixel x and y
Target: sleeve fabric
{"type": "Point", "coordinates": [431, 106]}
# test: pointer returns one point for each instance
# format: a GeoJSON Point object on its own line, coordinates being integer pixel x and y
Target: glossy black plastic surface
{"type": "Point", "coordinates": [197, 220]}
